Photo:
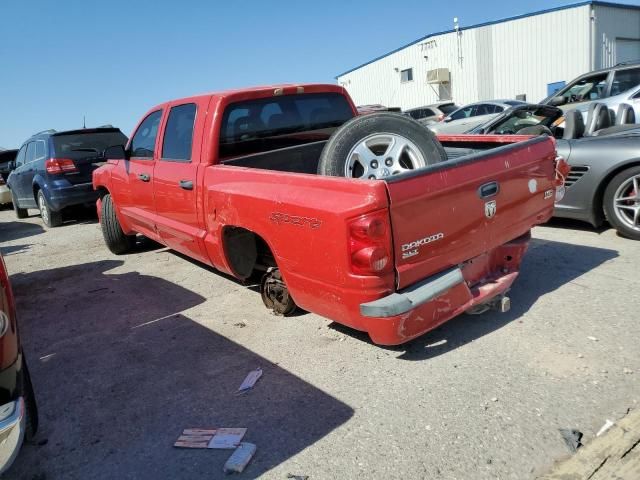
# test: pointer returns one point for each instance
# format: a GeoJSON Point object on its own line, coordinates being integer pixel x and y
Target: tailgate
{"type": "Point", "coordinates": [448, 213]}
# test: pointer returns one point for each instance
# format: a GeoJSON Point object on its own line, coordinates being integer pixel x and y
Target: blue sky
{"type": "Point", "coordinates": [113, 60]}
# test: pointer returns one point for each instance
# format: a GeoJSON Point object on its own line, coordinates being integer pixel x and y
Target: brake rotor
{"type": "Point", "coordinates": [275, 294]}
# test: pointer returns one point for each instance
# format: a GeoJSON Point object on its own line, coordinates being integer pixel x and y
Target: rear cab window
{"type": "Point", "coordinates": [265, 124]}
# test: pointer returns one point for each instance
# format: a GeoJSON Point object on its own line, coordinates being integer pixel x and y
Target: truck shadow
{"type": "Point", "coordinates": [119, 372]}
{"type": "Point", "coordinates": [547, 266]}
{"type": "Point", "coordinates": [17, 230]}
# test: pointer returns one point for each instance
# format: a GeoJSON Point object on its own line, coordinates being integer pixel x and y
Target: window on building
{"type": "Point", "coordinates": [178, 134]}
{"type": "Point", "coordinates": [406, 75]}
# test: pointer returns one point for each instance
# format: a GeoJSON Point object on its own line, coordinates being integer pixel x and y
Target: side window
{"type": "Point", "coordinates": [40, 150]}
{"type": "Point", "coordinates": [497, 109]}
{"type": "Point", "coordinates": [178, 134]}
{"type": "Point", "coordinates": [22, 155]}
{"type": "Point", "coordinates": [483, 109]}
{"type": "Point", "coordinates": [625, 80]}
{"type": "Point", "coordinates": [636, 96]}
{"type": "Point", "coordinates": [31, 152]}
{"type": "Point", "coordinates": [415, 114]}
{"type": "Point", "coordinates": [144, 141]}
{"type": "Point", "coordinates": [429, 113]}
{"type": "Point", "coordinates": [463, 113]}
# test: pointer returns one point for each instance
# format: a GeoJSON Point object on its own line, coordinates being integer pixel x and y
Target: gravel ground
{"type": "Point", "coordinates": [126, 351]}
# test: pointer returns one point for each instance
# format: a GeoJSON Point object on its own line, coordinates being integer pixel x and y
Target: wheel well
{"type": "Point", "coordinates": [36, 189]}
{"type": "Point", "coordinates": [102, 191]}
{"type": "Point", "coordinates": [598, 198]}
{"type": "Point", "coordinates": [247, 252]}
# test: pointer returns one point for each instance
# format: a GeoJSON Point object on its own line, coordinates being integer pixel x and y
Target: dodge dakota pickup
{"type": "Point", "coordinates": [369, 221]}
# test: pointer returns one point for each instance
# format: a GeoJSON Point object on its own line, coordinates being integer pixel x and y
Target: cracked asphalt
{"type": "Point", "coordinates": [126, 351]}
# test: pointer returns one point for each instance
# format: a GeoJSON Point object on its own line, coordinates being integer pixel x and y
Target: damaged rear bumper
{"type": "Point", "coordinates": [408, 313]}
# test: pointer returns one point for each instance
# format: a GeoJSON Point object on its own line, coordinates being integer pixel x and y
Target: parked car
{"type": "Point", "coordinates": [611, 86]}
{"type": "Point", "coordinates": [432, 113]}
{"type": "Point", "coordinates": [465, 118]}
{"type": "Point", "coordinates": [239, 180]}
{"type": "Point", "coordinates": [6, 158]}
{"type": "Point", "coordinates": [365, 109]}
{"type": "Point", "coordinates": [53, 170]}
{"type": "Point", "coordinates": [18, 409]}
{"type": "Point", "coordinates": [604, 180]}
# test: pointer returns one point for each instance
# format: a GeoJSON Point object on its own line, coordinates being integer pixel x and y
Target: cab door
{"type": "Point", "coordinates": [176, 186]}
{"type": "Point", "coordinates": [133, 185]}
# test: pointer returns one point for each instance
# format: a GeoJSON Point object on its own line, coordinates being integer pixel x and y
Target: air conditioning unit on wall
{"type": "Point", "coordinates": [438, 75]}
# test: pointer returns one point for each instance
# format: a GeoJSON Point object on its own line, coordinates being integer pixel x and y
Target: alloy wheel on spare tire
{"type": "Point", "coordinates": [49, 217]}
{"type": "Point", "coordinates": [379, 145]}
{"type": "Point", "coordinates": [621, 202]}
{"type": "Point", "coordinates": [115, 238]}
{"type": "Point", "coordinates": [20, 212]}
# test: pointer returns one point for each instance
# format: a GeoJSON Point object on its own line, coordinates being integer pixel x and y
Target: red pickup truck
{"type": "Point", "coordinates": [230, 179]}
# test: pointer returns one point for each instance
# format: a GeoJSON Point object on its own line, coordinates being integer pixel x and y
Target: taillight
{"type": "Point", "coordinates": [370, 244]}
{"type": "Point", "coordinates": [60, 165]}
{"type": "Point", "coordinates": [2, 182]}
{"type": "Point", "coordinates": [562, 170]}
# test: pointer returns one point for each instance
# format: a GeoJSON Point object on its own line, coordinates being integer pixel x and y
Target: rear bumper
{"type": "Point", "coordinates": [414, 296]}
{"type": "Point", "coordinates": [60, 197]}
{"type": "Point", "coordinates": [11, 432]}
{"type": "Point", "coordinates": [415, 310]}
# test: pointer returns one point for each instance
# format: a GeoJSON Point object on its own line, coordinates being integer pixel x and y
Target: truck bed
{"type": "Point", "coordinates": [304, 158]}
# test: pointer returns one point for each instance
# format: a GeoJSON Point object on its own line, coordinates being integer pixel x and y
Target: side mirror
{"type": "Point", "coordinates": [115, 152]}
{"type": "Point", "coordinates": [558, 101]}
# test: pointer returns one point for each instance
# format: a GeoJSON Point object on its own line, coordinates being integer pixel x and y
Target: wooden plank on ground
{"type": "Point", "coordinates": [613, 455]}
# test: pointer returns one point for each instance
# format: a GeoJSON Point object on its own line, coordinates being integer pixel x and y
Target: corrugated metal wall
{"type": "Point", "coordinates": [612, 24]}
{"type": "Point", "coordinates": [500, 60]}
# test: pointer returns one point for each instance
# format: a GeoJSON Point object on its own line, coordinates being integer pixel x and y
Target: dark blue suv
{"type": "Point", "coordinates": [53, 170]}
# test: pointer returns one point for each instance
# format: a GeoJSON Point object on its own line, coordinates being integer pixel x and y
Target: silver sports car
{"type": "Point", "coordinates": [604, 155]}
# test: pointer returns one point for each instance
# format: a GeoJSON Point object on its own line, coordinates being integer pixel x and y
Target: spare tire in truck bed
{"type": "Point", "coordinates": [379, 145]}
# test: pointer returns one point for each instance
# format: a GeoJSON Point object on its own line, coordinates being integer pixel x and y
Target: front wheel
{"type": "Point", "coordinates": [379, 145]}
{"type": "Point", "coordinates": [115, 238]}
{"type": "Point", "coordinates": [49, 217]}
{"type": "Point", "coordinates": [621, 202]}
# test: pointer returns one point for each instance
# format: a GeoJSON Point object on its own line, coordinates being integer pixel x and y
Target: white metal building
{"type": "Point", "coordinates": [528, 55]}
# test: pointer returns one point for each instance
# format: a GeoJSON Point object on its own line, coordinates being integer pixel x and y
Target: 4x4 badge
{"type": "Point", "coordinates": [490, 209]}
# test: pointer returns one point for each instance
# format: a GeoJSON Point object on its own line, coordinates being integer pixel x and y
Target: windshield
{"type": "Point", "coordinates": [522, 118]}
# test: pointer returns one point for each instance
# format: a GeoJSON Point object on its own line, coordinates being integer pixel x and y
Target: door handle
{"type": "Point", "coordinates": [144, 177]}
{"type": "Point", "coordinates": [488, 189]}
{"type": "Point", "coordinates": [186, 184]}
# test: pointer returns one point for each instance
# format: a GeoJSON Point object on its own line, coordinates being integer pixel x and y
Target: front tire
{"type": "Point", "coordinates": [621, 203]}
{"type": "Point", "coordinates": [49, 217]}
{"type": "Point", "coordinates": [20, 212]}
{"type": "Point", "coordinates": [115, 238]}
{"type": "Point", "coordinates": [379, 145]}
